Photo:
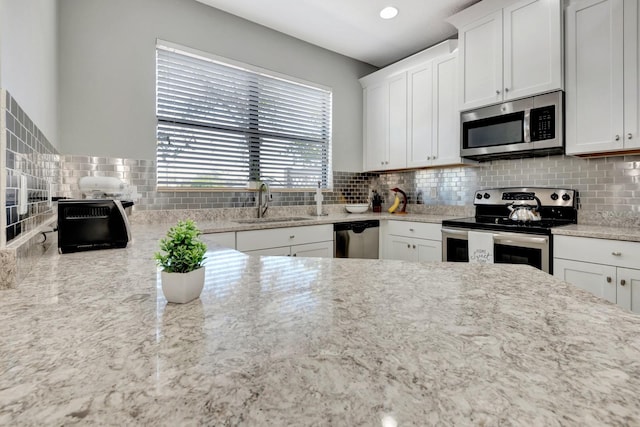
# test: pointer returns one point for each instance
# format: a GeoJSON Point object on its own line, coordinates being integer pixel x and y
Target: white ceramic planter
{"type": "Point", "coordinates": [182, 287]}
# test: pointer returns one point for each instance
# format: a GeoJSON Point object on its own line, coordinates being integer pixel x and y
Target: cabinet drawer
{"type": "Point", "coordinates": [600, 251]}
{"type": "Point", "coordinates": [276, 237]}
{"type": "Point", "coordinates": [227, 239]}
{"type": "Point", "coordinates": [420, 230]}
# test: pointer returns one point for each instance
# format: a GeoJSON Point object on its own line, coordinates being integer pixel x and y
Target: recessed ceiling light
{"type": "Point", "coordinates": [388, 12]}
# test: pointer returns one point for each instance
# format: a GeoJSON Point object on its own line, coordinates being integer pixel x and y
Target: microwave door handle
{"type": "Point", "coordinates": [527, 125]}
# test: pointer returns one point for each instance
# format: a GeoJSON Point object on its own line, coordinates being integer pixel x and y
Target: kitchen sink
{"type": "Point", "coordinates": [267, 220]}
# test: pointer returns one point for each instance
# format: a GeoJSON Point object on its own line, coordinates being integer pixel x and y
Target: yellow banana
{"type": "Point", "coordinates": [395, 205]}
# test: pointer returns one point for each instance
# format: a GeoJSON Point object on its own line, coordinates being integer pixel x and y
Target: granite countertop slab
{"type": "Point", "coordinates": [89, 339]}
{"type": "Point", "coordinates": [631, 234]}
{"type": "Point", "coordinates": [224, 225]}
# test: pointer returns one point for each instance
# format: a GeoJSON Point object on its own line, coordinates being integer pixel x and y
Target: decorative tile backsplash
{"type": "Point", "coordinates": [609, 184]}
{"type": "Point", "coordinates": [30, 160]}
{"type": "Point", "coordinates": [348, 187]}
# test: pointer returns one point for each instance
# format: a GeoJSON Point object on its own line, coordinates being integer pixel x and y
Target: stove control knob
{"type": "Point", "coordinates": [478, 196]}
{"type": "Point", "coordinates": [554, 196]}
{"type": "Point", "coordinates": [566, 197]}
{"type": "Point", "coordinates": [487, 195]}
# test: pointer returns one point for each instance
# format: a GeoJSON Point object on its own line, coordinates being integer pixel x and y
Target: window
{"type": "Point", "coordinates": [221, 125]}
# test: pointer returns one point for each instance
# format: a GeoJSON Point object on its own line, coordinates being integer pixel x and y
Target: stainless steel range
{"type": "Point", "coordinates": [518, 219]}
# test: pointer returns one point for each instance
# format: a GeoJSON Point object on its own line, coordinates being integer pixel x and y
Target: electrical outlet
{"type": "Point", "coordinates": [433, 193]}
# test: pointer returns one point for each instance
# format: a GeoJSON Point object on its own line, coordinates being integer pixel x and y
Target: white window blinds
{"type": "Point", "coordinates": [221, 125]}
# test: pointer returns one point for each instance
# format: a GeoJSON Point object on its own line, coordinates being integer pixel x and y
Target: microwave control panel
{"type": "Point", "coordinates": [543, 123]}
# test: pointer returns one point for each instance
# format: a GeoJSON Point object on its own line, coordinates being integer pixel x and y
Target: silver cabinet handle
{"type": "Point", "coordinates": [414, 246]}
{"type": "Point", "coordinates": [617, 137]}
{"type": "Point", "coordinates": [411, 229]}
{"type": "Point", "coordinates": [382, 163]}
{"type": "Point", "coordinates": [616, 253]}
{"type": "Point", "coordinates": [623, 282]}
{"type": "Point", "coordinates": [295, 254]}
{"type": "Point", "coordinates": [608, 279]}
{"type": "Point", "coordinates": [506, 89]}
{"type": "Point", "coordinates": [497, 92]}
{"type": "Point", "coordinates": [408, 246]}
{"type": "Point", "coordinates": [293, 236]}
{"type": "Point", "coordinates": [629, 136]}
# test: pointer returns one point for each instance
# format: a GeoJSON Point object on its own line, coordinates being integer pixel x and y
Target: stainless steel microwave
{"type": "Point", "coordinates": [522, 128]}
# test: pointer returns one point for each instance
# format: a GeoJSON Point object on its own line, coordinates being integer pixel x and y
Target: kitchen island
{"type": "Point", "coordinates": [89, 339]}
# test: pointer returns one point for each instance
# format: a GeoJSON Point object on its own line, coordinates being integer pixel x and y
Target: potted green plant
{"type": "Point", "coordinates": [181, 257]}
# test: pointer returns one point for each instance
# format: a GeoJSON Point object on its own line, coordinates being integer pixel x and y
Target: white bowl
{"type": "Point", "coordinates": [357, 208]}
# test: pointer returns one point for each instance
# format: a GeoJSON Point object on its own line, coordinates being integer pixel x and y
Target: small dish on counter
{"type": "Point", "coordinates": [357, 208]}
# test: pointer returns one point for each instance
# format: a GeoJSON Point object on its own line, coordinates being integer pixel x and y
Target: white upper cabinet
{"type": "Point", "coordinates": [385, 127]}
{"type": "Point", "coordinates": [602, 77]}
{"type": "Point", "coordinates": [481, 62]}
{"type": "Point", "coordinates": [595, 76]}
{"type": "Point", "coordinates": [510, 53]}
{"type": "Point", "coordinates": [446, 118]}
{"type": "Point", "coordinates": [532, 48]}
{"type": "Point", "coordinates": [411, 116]}
{"type": "Point", "coordinates": [420, 126]}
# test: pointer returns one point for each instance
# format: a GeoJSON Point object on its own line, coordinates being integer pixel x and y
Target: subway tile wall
{"type": "Point", "coordinates": [347, 187]}
{"type": "Point", "coordinates": [27, 153]}
{"type": "Point", "coordinates": [609, 184]}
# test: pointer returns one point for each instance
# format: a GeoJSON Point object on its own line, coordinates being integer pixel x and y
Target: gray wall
{"type": "Point", "coordinates": [28, 60]}
{"type": "Point", "coordinates": [107, 71]}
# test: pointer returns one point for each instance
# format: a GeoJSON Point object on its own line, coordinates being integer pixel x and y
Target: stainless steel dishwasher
{"type": "Point", "coordinates": [356, 239]}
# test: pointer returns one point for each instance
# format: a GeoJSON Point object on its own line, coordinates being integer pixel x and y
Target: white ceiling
{"type": "Point", "coordinates": [353, 27]}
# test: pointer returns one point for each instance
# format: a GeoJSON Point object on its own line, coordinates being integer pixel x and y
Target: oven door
{"type": "Point", "coordinates": [508, 248]}
{"type": "Point", "coordinates": [520, 248]}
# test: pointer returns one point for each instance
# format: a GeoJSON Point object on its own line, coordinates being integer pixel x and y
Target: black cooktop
{"type": "Point", "coordinates": [504, 224]}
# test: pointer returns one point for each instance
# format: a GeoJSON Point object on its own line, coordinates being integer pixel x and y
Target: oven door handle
{"type": "Point", "coordinates": [453, 232]}
{"type": "Point", "coordinates": [517, 238]}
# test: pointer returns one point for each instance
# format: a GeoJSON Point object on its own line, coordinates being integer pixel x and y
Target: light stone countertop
{"type": "Point", "coordinates": [224, 224]}
{"type": "Point", "coordinates": [631, 234]}
{"type": "Point", "coordinates": [89, 339]}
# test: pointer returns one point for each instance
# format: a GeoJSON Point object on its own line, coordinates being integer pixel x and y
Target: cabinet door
{"type": "Point", "coordinates": [376, 100]}
{"type": "Point", "coordinates": [399, 247]}
{"type": "Point", "coordinates": [481, 62]}
{"type": "Point", "coordinates": [420, 116]}
{"type": "Point", "coordinates": [446, 118]}
{"type": "Point", "coordinates": [397, 117]}
{"type": "Point", "coordinates": [598, 279]}
{"type": "Point", "coordinates": [631, 75]}
{"type": "Point", "coordinates": [628, 289]}
{"type": "Point", "coordinates": [427, 250]}
{"type": "Point", "coordinates": [317, 250]}
{"type": "Point", "coordinates": [283, 251]}
{"type": "Point", "coordinates": [594, 86]}
{"type": "Point", "coordinates": [532, 48]}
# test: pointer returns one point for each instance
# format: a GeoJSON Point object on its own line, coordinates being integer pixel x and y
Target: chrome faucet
{"type": "Point", "coordinates": [263, 205]}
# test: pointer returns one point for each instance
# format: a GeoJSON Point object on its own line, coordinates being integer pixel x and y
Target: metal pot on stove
{"type": "Point", "coordinates": [520, 211]}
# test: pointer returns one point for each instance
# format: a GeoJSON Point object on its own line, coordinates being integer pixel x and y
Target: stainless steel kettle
{"type": "Point", "coordinates": [525, 212]}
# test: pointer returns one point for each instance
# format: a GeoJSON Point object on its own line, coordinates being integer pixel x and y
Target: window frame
{"type": "Point", "coordinates": [253, 142]}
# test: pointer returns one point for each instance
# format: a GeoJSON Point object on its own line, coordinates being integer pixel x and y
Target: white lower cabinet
{"type": "Point", "coordinates": [227, 240]}
{"type": "Point", "coordinates": [601, 267]}
{"type": "Point", "coordinates": [317, 250]}
{"type": "Point", "coordinates": [411, 241]}
{"type": "Point", "coordinates": [596, 278]}
{"type": "Point", "coordinates": [310, 241]}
